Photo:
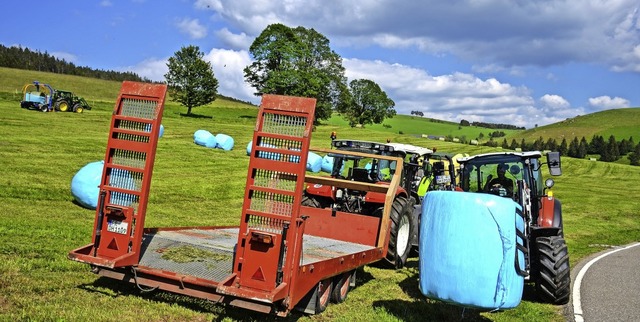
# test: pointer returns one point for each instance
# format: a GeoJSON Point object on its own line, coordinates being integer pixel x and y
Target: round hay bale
{"type": "Point", "coordinates": [314, 162]}
{"type": "Point", "coordinates": [84, 185]}
{"type": "Point", "coordinates": [225, 142]}
{"type": "Point", "coordinates": [205, 138]}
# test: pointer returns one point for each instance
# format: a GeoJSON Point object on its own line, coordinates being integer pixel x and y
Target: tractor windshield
{"type": "Point", "coordinates": [494, 175]}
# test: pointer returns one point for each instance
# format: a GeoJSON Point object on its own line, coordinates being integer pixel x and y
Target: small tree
{"type": "Point", "coordinates": [634, 157]}
{"type": "Point", "coordinates": [367, 103]}
{"type": "Point", "coordinates": [190, 79]}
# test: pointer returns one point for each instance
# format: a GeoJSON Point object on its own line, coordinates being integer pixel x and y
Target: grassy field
{"type": "Point", "coordinates": [193, 186]}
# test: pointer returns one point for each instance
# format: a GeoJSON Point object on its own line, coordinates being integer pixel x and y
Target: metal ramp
{"type": "Point", "coordinates": [126, 177]}
{"type": "Point", "coordinates": [270, 226]}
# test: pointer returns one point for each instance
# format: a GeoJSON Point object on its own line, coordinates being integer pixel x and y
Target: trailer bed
{"type": "Point", "coordinates": [207, 253]}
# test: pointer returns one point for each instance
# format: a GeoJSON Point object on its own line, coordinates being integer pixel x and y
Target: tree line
{"type": "Point", "coordinates": [609, 150]}
{"type": "Point", "coordinates": [491, 125]}
{"type": "Point", "coordinates": [25, 58]}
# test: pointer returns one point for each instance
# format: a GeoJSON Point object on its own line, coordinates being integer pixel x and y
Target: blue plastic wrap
{"type": "Point", "coordinates": [205, 138]}
{"type": "Point", "coordinates": [327, 164]}
{"type": "Point", "coordinates": [84, 185]}
{"type": "Point", "coordinates": [225, 142]}
{"type": "Point", "coordinates": [468, 250]}
{"type": "Point", "coordinates": [314, 162]}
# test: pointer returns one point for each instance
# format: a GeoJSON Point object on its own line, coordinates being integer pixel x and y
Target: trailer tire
{"type": "Point", "coordinates": [341, 287]}
{"type": "Point", "coordinates": [551, 270]}
{"type": "Point", "coordinates": [400, 233]}
{"type": "Point", "coordinates": [323, 295]}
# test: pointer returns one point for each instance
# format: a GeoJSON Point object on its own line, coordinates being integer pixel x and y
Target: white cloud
{"type": "Point", "coordinates": [64, 55]}
{"type": "Point", "coordinates": [607, 103]}
{"type": "Point", "coordinates": [228, 68]}
{"type": "Point", "coordinates": [106, 3]}
{"type": "Point", "coordinates": [554, 101]}
{"type": "Point", "coordinates": [448, 97]}
{"type": "Point", "coordinates": [152, 68]}
{"type": "Point", "coordinates": [192, 27]}
{"type": "Point", "coordinates": [235, 41]}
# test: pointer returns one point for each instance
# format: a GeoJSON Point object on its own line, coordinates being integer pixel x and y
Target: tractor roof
{"type": "Point", "coordinates": [497, 155]}
{"type": "Point", "coordinates": [408, 148]}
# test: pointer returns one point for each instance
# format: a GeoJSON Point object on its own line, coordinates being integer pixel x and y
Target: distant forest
{"type": "Point", "coordinates": [24, 58]}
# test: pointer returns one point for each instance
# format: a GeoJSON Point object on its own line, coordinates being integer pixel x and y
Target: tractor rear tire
{"type": "Point", "coordinates": [400, 233]}
{"type": "Point", "coordinates": [62, 106]}
{"type": "Point", "coordinates": [551, 270]}
{"type": "Point", "coordinates": [314, 202]}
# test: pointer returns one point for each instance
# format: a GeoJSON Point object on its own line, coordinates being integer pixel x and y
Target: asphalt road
{"type": "Point", "coordinates": [606, 286]}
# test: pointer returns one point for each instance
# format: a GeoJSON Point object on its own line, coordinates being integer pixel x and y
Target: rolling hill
{"type": "Point", "coordinates": [622, 123]}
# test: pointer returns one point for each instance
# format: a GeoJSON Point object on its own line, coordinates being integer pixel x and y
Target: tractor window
{"type": "Point", "coordinates": [486, 177]}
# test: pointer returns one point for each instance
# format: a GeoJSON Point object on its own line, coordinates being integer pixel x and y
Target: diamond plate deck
{"type": "Point", "coordinates": [219, 243]}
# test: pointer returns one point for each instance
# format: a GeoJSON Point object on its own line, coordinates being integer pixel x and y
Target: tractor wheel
{"type": "Point", "coordinates": [400, 234]}
{"type": "Point", "coordinates": [551, 270]}
{"type": "Point", "coordinates": [323, 295]}
{"type": "Point", "coordinates": [62, 106]}
{"type": "Point", "coordinates": [341, 286]}
{"type": "Point", "coordinates": [315, 202]}
{"type": "Point", "coordinates": [78, 108]}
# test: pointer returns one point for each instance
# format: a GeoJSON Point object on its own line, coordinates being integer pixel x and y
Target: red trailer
{"type": "Point", "coordinates": [282, 256]}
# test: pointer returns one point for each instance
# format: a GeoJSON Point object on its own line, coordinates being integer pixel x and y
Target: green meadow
{"type": "Point", "coordinates": [195, 186]}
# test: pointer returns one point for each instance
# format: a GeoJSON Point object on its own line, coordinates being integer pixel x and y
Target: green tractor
{"type": "Point", "coordinates": [65, 101]}
{"type": "Point", "coordinates": [43, 97]}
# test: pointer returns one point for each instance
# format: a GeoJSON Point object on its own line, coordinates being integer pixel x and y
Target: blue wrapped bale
{"type": "Point", "coordinates": [161, 133]}
{"type": "Point", "coordinates": [468, 247]}
{"type": "Point", "coordinates": [327, 164]}
{"type": "Point", "coordinates": [84, 184]}
{"type": "Point", "coordinates": [249, 147]}
{"type": "Point", "coordinates": [205, 138]}
{"type": "Point", "coordinates": [314, 162]}
{"type": "Point", "coordinates": [224, 141]}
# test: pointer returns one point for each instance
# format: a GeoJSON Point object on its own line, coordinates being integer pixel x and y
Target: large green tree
{"type": "Point", "coordinates": [367, 103]}
{"type": "Point", "coordinates": [190, 78]}
{"type": "Point", "coordinates": [298, 62]}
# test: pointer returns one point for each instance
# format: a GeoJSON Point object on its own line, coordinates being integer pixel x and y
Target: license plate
{"type": "Point", "coordinates": [443, 179]}
{"type": "Point", "coordinates": [117, 226]}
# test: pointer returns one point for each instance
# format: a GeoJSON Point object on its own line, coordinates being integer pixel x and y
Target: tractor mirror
{"type": "Point", "coordinates": [553, 161]}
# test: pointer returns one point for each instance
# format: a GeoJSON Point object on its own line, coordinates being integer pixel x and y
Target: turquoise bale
{"type": "Point", "coordinates": [467, 250]}
{"type": "Point", "coordinates": [85, 184]}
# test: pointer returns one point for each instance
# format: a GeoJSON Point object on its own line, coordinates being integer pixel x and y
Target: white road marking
{"type": "Point", "coordinates": [577, 306]}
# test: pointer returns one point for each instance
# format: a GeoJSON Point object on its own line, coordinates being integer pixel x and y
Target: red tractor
{"type": "Point", "coordinates": [405, 213]}
{"type": "Point", "coordinates": [518, 176]}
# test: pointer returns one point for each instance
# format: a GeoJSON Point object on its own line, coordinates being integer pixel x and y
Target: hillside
{"type": "Point", "coordinates": [621, 123]}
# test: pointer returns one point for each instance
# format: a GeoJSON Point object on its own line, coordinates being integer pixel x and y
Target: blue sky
{"type": "Point", "coordinates": [515, 62]}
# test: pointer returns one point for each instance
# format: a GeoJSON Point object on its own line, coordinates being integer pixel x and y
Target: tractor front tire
{"type": "Point", "coordinates": [78, 108]}
{"type": "Point", "coordinates": [551, 270]}
{"type": "Point", "coordinates": [400, 233]}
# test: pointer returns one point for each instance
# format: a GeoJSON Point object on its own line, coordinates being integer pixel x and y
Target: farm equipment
{"type": "Point", "coordinates": [545, 250]}
{"type": "Point", "coordinates": [405, 216]}
{"type": "Point", "coordinates": [282, 256]}
{"type": "Point", "coordinates": [43, 97]}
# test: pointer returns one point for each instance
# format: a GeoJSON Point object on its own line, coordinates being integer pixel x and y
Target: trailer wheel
{"type": "Point", "coordinates": [62, 106]}
{"type": "Point", "coordinates": [400, 234]}
{"type": "Point", "coordinates": [551, 270]}
{"type": "Point", "coordinates": [323, 295]}
{"type": "Point", "coordinates": [341, 287]}
{"type": "Point", "coordinates": [78, 108]}
{"type": "Point", "coordinates": [44, 108]}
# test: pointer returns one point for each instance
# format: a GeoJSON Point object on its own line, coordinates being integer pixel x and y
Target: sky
{"type": "Point", "coordinates": [519, 62]}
